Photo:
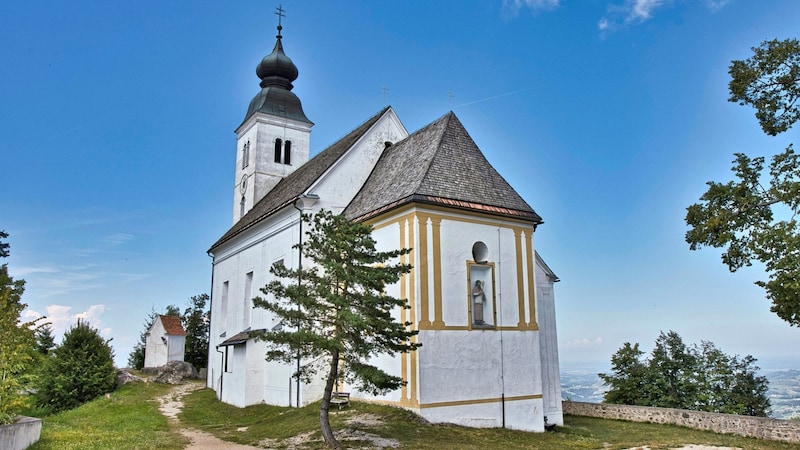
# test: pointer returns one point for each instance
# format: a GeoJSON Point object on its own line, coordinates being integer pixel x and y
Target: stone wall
{"type": "Point", "coordinates": [21, 434]}
{"type": "Point", "coordinates": [758, 427]}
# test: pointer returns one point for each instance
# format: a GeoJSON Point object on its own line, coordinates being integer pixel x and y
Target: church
{"type": "Point", "coordinates": [481, 297]}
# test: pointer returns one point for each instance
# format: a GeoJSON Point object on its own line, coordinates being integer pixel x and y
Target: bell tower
{"type": "Point", "coordinates": [273, 140]}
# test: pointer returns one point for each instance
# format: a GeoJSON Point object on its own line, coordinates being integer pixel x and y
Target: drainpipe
{"type": "Point", "coordinates": [221, 371]}
{"type": "Point", "coordinates": [500, 326]}
{"type": "Point", "coordinates": [208, 337]}
{"type": "Point", "coordinates": [312, 198]}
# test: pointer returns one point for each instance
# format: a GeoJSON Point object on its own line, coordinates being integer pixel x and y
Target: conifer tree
{"type": "Point", "coordinates": [45, 341]}
{"type": "Point", "coordinates": [78, 370]}
{"type": "Point", "coordinates": [336, 309]}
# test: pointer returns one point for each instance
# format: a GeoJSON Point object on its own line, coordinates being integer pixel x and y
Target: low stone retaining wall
{"type": "Point", "coordinates": [20, 434]}
{"type": "Point", "coordinates": [758, 427]}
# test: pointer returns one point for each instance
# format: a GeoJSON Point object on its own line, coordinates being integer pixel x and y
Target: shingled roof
{"type": "Point", "coordinates": [439, 164]}
{"type": "Point", "coordinates": [288, 189]}
{"type": "Point", "coordinates": [172, 325]}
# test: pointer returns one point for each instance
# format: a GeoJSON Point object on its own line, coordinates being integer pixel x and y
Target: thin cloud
{"type": "Point", "coordinates": [512, 7]}
{"type": "Point", "coordinates": [584, 342]}
{"type": "Point", "coordinates": [635, 12]}
{"type": "Point", "coordinates": [118, 238]}
{"type": "Point", "coordinates": [22, 271]}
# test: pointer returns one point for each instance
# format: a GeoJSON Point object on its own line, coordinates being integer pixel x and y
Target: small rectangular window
{"type": "Point", "coordinates": [248, 298]}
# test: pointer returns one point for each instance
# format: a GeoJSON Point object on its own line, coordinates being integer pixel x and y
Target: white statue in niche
{"type": "Point", "coordinates": [478, 300]}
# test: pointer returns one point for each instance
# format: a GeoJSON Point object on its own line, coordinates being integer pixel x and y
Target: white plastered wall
{"type": "Point", "coordinates": [474, 377]}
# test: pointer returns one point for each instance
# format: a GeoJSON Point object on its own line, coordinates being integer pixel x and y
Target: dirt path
{"type": "Point", "coordinates": [170, 406]}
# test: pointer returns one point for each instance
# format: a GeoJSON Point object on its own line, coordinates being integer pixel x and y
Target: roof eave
{"type": "Point", "coordinates": [528, 216]}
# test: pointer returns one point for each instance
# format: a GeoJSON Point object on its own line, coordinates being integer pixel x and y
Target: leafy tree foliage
{"type": "Point", "coordinates": [700, 378]}
{"type": "Point", "coordinates": [196, 320]}
{"type": "Point", "coordinates": [78, 370]}
{"type": "Point", "coordinates": [754, 217]}
{"type": "Point", "coordinates": [770, 82]}
{"type": "Point", "coordinates": [17, 341]}
{"type": "Point", "coordinates": [338, 309]}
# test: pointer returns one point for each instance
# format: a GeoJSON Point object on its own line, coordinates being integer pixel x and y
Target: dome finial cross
{"type": "Point", "coordinates": [281, 14]}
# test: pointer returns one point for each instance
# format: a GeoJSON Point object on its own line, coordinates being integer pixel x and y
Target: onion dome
{"type": "Point", "coordinates": [277, 71]}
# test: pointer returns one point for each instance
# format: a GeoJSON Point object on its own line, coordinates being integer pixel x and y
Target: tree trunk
{"type": "Point", "coordinates": [324, 422]}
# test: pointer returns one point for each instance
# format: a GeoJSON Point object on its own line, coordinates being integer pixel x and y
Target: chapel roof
{"type": "Point", "coordinates": [439, 164]}
{"type": "Point", "coordinates": [172, 325]}
{"type": "Point", "coordinates": [295, 184]}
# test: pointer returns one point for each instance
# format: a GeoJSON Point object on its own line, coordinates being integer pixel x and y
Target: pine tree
{"type": "Point", "coordinates": [78, 370]}
{"type": "Point", "coordinates": [45, 341]}
{"type": "Point", "coordinates": [338, 310]}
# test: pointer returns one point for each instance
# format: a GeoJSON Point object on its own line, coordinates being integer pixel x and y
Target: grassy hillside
{"type": "Point", "coordinates": [129, 419]}
{"type": "Point", "coordinates": [369, 425]}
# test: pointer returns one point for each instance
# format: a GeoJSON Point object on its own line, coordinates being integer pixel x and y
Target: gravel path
{"type": "Point", "coordinates": [170, 406]}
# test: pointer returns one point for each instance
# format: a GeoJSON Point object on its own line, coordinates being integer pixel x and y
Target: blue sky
{"type": "Point", "coordinates": [607, 116]}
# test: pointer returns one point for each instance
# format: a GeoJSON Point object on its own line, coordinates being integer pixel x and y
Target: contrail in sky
{"type": "Point", "coordinates": [492, 98]}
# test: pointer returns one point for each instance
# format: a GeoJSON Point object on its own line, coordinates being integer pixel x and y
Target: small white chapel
{"type": "Point", "coordinates": [481, 297]}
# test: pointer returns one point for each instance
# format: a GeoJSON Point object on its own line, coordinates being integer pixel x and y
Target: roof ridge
{"type": "Point", "coordinates": [292, 185]}
{"type": "Point", "coordinates": [445, 118]}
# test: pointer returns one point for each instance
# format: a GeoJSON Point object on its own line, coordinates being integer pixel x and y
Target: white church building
{"type": "Point", "coordinates": [481, 297]}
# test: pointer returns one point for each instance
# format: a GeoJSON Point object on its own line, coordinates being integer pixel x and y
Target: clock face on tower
{"type": "Point", "coordinates": [243, 184]}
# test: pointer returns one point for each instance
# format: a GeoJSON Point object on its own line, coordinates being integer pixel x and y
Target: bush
{"type": "Point", "coordinates": [79, 370]}
{"type": "Point", "coordinates": [17, 354]}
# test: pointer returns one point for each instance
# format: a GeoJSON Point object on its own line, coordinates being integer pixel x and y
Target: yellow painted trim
{"type": "Point", "coordinates": [412, 301]}
{"type": "Point", "coordinates": [532, 323]}
{"type": "Point", "coordinates": [438, 320]}
{"type": "Point", "coordinates": [480, 401]}
{"type": "Point", "coordinates": [424, 320]}
{"type": "Point", "coordinates": [520, 278]}
{"type": "Point", "coordinates": [488, 219]}
{"type": "Point", "coordinates": [441, 212]}
{"type": "Point", "coordinates": [403, 313]}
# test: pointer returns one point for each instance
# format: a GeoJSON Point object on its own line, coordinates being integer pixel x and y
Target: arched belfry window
{"type": "Point", "coordinates": [278, 148]}
{"type": "Point", "coordinates": [241, 207]}
{"type": "Point", "coordinates": [287, 152]}
{"type": "Point", "coordinates": [283, 151]}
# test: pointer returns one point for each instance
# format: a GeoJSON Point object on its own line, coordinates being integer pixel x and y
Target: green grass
{"type": "Point", "coordinates": [130, 419]}
{"type": "Point", "coordinates": [253, 424]}
{"type": "Point", "coordinates": [127, 419]}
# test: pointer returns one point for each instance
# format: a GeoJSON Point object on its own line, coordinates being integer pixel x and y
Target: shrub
{"type": "Point", "coordinates": [80, 369]}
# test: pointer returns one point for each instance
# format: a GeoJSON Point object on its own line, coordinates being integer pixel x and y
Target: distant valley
{"type": "Point", "coordinates": [583, 385]}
